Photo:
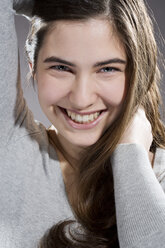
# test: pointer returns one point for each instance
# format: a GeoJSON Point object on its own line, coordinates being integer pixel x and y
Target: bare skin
{"type": "Point", "coordinates": [81, 88]}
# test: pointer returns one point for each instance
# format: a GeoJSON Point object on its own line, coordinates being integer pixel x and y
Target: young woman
{"type": "Point", "coordinates": [95, 67]}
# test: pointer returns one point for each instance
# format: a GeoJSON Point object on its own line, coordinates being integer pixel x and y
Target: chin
{"type": "Point", "coordinates": [83, 141]}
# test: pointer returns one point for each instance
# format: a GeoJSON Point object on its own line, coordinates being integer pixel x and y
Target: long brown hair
{"type": "Point", "coordinates": [93, 202]}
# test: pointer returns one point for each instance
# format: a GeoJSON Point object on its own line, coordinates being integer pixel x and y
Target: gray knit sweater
{"type": "Point", "coordinates": [32, 190]}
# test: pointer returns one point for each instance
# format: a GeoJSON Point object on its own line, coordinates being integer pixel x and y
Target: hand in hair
{"type": "Point", "coordinates": [138, 131]}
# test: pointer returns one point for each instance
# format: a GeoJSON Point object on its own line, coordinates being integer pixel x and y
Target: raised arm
{"type": "Point", "coordinates": [11, 99]}
{"type": "Point", "coordinates": [140, 200]}
{"type": "Point", "coordinates": [23, 6]}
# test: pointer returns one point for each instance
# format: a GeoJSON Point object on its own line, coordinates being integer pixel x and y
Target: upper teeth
{"type": "Point", "coordinates": [82, 118]}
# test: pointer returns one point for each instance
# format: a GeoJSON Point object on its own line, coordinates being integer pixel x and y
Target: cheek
{"type": "Point", "coordinates": [50, 91]}
{"type": "Point", "coordinates": [114, 92]}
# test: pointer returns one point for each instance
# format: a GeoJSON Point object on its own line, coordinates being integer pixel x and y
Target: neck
{"type": "Point", "coordinates": [73, 153]}
{"type": "Point", "coordinates": [69, 152]}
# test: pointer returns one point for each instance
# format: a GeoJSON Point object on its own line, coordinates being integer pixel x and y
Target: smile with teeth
{"type": "Point", "coordinates": [82, 118]}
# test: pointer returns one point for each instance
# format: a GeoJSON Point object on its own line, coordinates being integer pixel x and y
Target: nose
{"type": "Point", "coordinates": [83, 93]}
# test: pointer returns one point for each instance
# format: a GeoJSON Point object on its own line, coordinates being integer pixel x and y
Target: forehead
{"type": "Point", "coordinates": [91, 39]}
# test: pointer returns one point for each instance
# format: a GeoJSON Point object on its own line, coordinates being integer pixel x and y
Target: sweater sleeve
{"type": "Point", "coordinates": [12, 104]}
{"type": "Point", "coordinates": [24, 7]}
{"type": "Point", "coordinates": [139, 199]}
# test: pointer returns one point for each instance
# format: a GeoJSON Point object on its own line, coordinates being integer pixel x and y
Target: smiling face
{"type": "Point", "coordinates": [81, 80]}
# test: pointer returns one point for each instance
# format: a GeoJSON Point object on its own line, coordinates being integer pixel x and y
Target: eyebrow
{"type": "Point", "coordinates": [102, 63]}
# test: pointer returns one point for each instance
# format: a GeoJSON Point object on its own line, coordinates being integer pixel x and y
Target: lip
{"type": "Point", "coordinates": [82, 126]}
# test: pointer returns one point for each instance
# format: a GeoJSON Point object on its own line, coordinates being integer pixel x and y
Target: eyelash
{"type": "Point", "coordinates": [109, 69]}
{"type": "Point", "coordinates": [63, 68]}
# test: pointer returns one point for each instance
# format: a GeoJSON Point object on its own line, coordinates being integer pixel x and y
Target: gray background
{"type": "Point", "coordinates": [22, 27]}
